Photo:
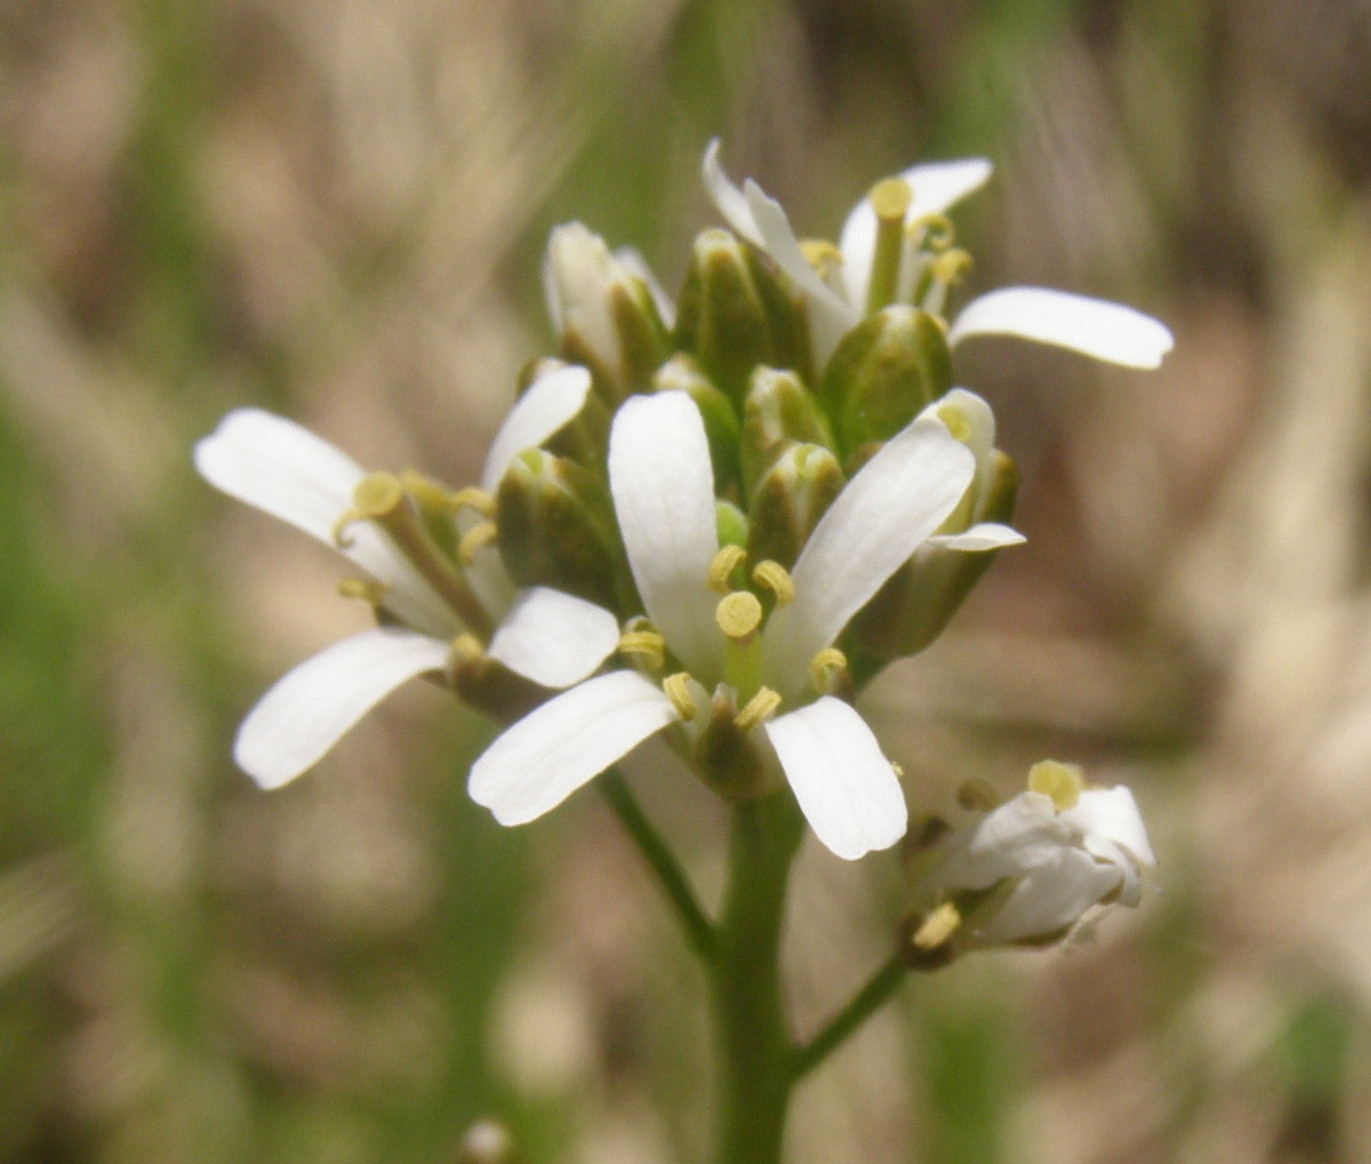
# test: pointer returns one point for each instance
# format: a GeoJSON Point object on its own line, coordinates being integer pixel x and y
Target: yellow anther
{"type": "Point", "coordinates": [378, 494]}
{"type": "Point", "coordinates": [934, 231]}
{"type": "Point", "coordinates": [363, 588]}
{"type": "Point", "coordinates": [473, 498]}
{"type": "Point", "coordinates": [822, 255]}
{"type": "Point", "coordinates": [898, 769]}
{"type": "Point", "coordinates": [1063, 783]}
{"type": "Point", "coordinates": [677, 689]}
{"type": "Point", "coordinates": [775, 578]}
{"type": "Point", "coordinates": [951, 265]}
{"type": "Point", "coordinates": [760, 708]}
{"type": "Point", "coordinates": [739, 615]}
{"type": "Point", "coordinates": [428, 494]}
{"type": "Point", "coordinates": [467, 648]}
{"type": "Point", "coordinates": [937, 927]}
{"type": "Point", "coordinates": [721, 568]}
{"type": "Point", "coordinates": [476, 538]}
{"type": "Point", "coordinates": [826, 666]}
{"type": "Point", "coordinates": [977, 795]}
{"type": "Point", "coordinates": [646, 645]}
{"type": "Point", "coordinates": [956, 420]}
{"type": "Point", "coordinates": [890, 199]}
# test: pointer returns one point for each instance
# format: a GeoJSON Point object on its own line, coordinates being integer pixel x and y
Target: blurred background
{"type": "Point", "coordinates": [336, 210]}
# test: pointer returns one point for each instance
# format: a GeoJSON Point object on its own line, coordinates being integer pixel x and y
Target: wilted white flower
{"type": "Point", "coordinates": [425, 594]}
{"type": "Point", "coordinates": [731, 657]}
{"type": "Point", "coordinates": [1028, 871]}
{"type": "Point", "coordinates": [892, 249]}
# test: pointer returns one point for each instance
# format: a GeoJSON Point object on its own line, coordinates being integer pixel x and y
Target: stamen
{"type": "Point", "coordinates": [823, 256]}
{"type": "Point", "coordinates": [1063, 783]}
{"type": "Point", "coordinates": [956, 420]}
{"type": "Point", "coordinates": [937, 927]}
{"type": "Point", "coordinates": [428, 494]}
{"type": "Point", "coordinates": [890, 199]}
{"type": "Point", "coordinates": [677, 689]}
{"type": "Point", "coordinates": [934, 231]}
{"type": "Point", "coordinates": [363, 588]}
{"type": "Point", "coordinates": [775, 578]}
{"type": "Point", "coordinates": [760, 708]}
{"type": "Point", "coordinates": [739, 615]}
{"type": "Point", "coordinates": [825, 667]}
{"type": "Point", "coordinates": [473, 498]}
{"type": "Point", "coordinates": [951, 265]}
{"type": "Point", "coordinates": [646, 645]}
{"type": "Point", "coordinates": [721, 568]}
{"type": "Point", "coordinates": [476, 538]}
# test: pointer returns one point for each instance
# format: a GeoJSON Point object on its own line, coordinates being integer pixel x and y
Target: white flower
{"type": "Point", "coordinates": [549, 637]}
{"type": "Point", "coordinates": [663, 490]}
{"type": "Point", "coordinates": [1055, 852]}
{"type": "Point", "coordinates": [841, 297]}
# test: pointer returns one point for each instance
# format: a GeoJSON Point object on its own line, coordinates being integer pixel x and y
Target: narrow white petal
{"type": "Point", "coordinates": [551, 752]}
{"type": "Point", "coordinates": [1107, 331]}
{"type": "Point", "coordinates": [1112, 814]}
{"type": "Point", "coordinates": [545, 406]}
{"type": "Point", "coordinates": [937, 186]}
{"type": "Point", "coordinates": [727, 197]}
{"type": "Point", "coordinates": [985, 535]}
{"type": "Point", "coordinates": [634, 263]}
{"type": "Point", "coordinates": [1053, 896]}
{"type": "Point", "coordinates": [281, 468]}
{"type": "Point", "coordinates": [311, 707]}
{"type": "Point", "coordinates": [663, 486]}
{"type": "Point", "coordinates": [886, 511]}
{"type": "Point", "coordinates": [844, 784]}
{"type": "Point", "coordinates": [555, 639]}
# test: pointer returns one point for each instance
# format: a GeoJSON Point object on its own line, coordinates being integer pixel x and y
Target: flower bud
{"type": "Point", "coordinates": [1027, 872]}
{"type": "Point", "coordinates": [788, 502]}
{"type": "Point", "coordinates": [778, 413]}
{"type": "Point", "coordinates": [556, 528]}
{"type": "Point", "coordinates": [734, 314]}
{"type": "Point", "coordinates": [882, 375]}
{"type": "Point", "coordinates": [683, 373]}
{"type": "Point", "coordinates": [603, 313]}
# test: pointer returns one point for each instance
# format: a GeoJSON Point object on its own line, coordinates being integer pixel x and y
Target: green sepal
{"type": "Point", "coordinates": [722, 429]}
{"type": "Point", "coordinates": [882, 375]}
{"type": "Point", "coordinates": [779, 412]}
{"type": "Point", "coordinates": [914, 607]}
{"type": "Point", "coordinates": [556, 528]}
{"type": "Point", "coordinates": [734, 314]}
{"type": "Point", "coordinates": [788, 502]}
{"type": "Point", "coordinates": [725, 757]}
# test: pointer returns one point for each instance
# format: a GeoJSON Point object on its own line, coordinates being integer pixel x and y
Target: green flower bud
{"type": "Point", "coordinates": [883, 374]}
{"type": "Point", "coordinates": [604, 314]}
{"type": "Point", "coordinates": [556, 528]}
{"type": "Point", "coordinates": [682, 373]}
{"type": "Point", "coordinates": [788, 502]}
{"type": "Point", "coordinates": [779, 413]}
{"type": "Point", "coordinates": [734, 314]}
{"type": "Point", "coordinates": [731, 523]}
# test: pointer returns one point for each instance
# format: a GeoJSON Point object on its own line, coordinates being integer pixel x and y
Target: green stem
{"type": "Point", "coordinates": [699, 930]}
{"type": "Point", "coordinates": [875, 994]}
{"type": "Point", "coordinates": [754, 1045]}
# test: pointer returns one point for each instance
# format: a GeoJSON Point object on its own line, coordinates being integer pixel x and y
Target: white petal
{"type": "Point", "coordinates": [1052, 897]}
{"type": "Point", "coordinates": [663, 486]}
{"type": "Point", "coordinates": [1019, 835]}
{"type": "Point", "coordinates": [1112, 814]}
{"type": "Point", "coordinates": [882, 516]}
{"type": "Point", "coordinates": [555, 639]}
{"type": "Point", "coordinates": [551, 752]}
{"type": "Point", "coordinates": [1094, 327]}
{"type": "Point", "coordinates": [937, 186]}
{"type": "Point", "coordinates": [309, 708]}
{"type": "Point", "coordinates": [727, 197]}
{"type": "Point", "coordinates": [830, 315]}
{"type": "Point", "coordinates": [634, 263]}
{"type": "Point", "coordinates": [844, 784]}
{"type": "Point", "coordinates": [985, 535]}
{"type": "Point", "coordinates": [545, 406]}
{"type": "Point", "coordinates": [281, 468]}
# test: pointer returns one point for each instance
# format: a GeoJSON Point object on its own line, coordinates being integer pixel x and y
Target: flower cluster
{"type": "Point", "coordinates": [714, 519]}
